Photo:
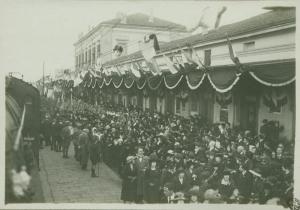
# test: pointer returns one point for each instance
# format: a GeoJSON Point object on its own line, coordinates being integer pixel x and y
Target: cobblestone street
{"type": "Point", "coordinates": [63, 181]}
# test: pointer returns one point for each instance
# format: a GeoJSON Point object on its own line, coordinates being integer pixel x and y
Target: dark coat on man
{"type": "Point", "coordinates": [129, 185]}
{"type": "Point", "coordinates": [84, 149]}
{"type": "Point", "coordinates": [141, 165]}
{"type": "Point", "coordinates": [244, 183]}
{"type": "Point", "coordinates": [177, 186]}
{"type": "Point", "coordinates": [95, 149]}
{"type": "Point", "coordinates": [152, 185]}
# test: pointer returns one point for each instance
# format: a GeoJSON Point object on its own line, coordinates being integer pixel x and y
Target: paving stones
{"type": "Point", "coordinates": [63, 181]}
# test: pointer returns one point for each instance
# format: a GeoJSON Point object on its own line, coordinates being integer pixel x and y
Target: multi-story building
{"type": "Point", "coordinates": [125, 31]}
{"type": "Point", "coordinates": [265, 46]}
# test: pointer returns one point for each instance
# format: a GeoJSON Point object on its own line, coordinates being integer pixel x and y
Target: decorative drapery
{"type": "Point", "coordinates": [154, 82]}
{"type": "Point", "coordinates": [117, 81]}
{"type": "Point", "coordinates": [221, 78]}
{"type": "Point", "coordinates": [195, 79]}
{"type": "Point", "coordinates": [128, 82]}
{"type": "Point", "coordinates": [275, 74]}
{"type": "Point", "coordinates": [171, 81]}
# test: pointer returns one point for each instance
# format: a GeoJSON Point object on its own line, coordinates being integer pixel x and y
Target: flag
{"type": "Point", "coordinates": [121, 70]}
{"type": "Point", "coordinates": [98, 65]}
{"type": "Point", "coordinates": [79, 77]}
{"type": "Point", "coordinates": [234, 57]}
{"type": "Point", "coordinates": [219, 16]}
{"type": "Point", "coordinates": [195, 58]}
{"type": "Point", "coordinates": [135, 71]}
{"type": "Point", "coordinates": [153, 67]}
{"type": "Point", "coordinates": [184, 56]}
{"type": "Point", "coordinates": [201, 23]}
{"type": "Point", "coordinates": [149, 47]}
{"type": "Point", "coordinates": [170, 65]}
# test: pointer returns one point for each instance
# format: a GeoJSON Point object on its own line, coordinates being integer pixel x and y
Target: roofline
{"type": "Point", "coordinates": [91, 32]}
{"type": "Point", "coordinates": [217, 41]}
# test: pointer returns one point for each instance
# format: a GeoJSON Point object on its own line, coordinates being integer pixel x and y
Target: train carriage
{"type": "Point", "coordinates": [22, 138]}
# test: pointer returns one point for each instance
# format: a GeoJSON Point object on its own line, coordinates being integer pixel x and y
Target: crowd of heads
{"type": "Point", "coordinates": [222, 164]}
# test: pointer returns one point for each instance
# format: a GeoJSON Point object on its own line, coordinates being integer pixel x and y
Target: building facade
{"type": "Point", "coordinates": [263, 90]}
{"type": "Point", "coordinates": [125, 31]}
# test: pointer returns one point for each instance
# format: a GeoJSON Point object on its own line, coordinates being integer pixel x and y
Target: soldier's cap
{"type": "Point", "coordinates": [85, 130]}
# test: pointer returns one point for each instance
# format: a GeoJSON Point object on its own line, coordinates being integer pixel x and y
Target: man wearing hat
{"type": "Point", "coordinates": [95, 150]}
{"type": "Point", "coordinates": [129, 184]}
{"type": "Point", "coordinates": [66, 134]}
{"type": "Point", "coordinates": [226, 186]}
{"type": "Point", "coordinates": [84, 148]}
{"type": "Point", "coordinates": [142, 164]}
{"type": "Point", "coordinates": [77, 132]}
{"type": "Point", "coordinates": [180, 183]}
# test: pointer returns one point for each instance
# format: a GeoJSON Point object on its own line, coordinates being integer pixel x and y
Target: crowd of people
{"type": "Point", "coordinates": [171, 159]}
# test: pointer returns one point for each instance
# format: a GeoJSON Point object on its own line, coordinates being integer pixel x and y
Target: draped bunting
{"type": "Point", "coordinates": [101, 83]}
{"type": "Point", "coordinates": [274, 74]}
{"type": "Point", "coordinates": [154, 82]}
{"type": "Point", "coordinates": [221, 78]}
{"type": "Point", "coordinates": [171, 81]}
{"type": "Point", "coordinates": [117, 81]}
{"type": "Point", "coordinates": [128, 81]}
{"type": "Point", "coordinates": [107, 81]}
{"type": "Point", "coordinates": [141, 83]}
{"type": "Point", "coordinates": [195, 79]}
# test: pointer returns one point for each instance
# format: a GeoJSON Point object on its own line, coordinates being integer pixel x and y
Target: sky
{"type": "Point", "coordinates": [35, 32]}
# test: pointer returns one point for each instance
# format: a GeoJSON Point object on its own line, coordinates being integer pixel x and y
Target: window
{"type": "Point", "coordinates": [207, 57]}
{"type": "Point", "coordinates": [224, 113]}
{"type": "Point", "coordinates": [249, 46]}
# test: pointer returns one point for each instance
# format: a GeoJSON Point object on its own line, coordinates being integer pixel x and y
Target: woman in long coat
{"type": "Point", "coordinates": [129, 185]}
{"type": "Point", "coordinates": [152, 183]}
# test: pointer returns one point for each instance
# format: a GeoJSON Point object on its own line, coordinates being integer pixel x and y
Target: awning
{"type": "Point", "coordinates": [279, 74]}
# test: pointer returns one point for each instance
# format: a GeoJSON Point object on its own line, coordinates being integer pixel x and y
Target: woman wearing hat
{"type": "Point", "coordinates": [226, 186]}
{"type": "Point", "coordinates": [129, 185]}
{"type": "Point", "coordinates": [152, 182]}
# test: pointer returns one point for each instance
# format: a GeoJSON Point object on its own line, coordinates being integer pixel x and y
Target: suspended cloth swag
{"type": "Point", "coordinates": [275, 75]}
{"type": "Point", "coordinates": [222, 78]}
